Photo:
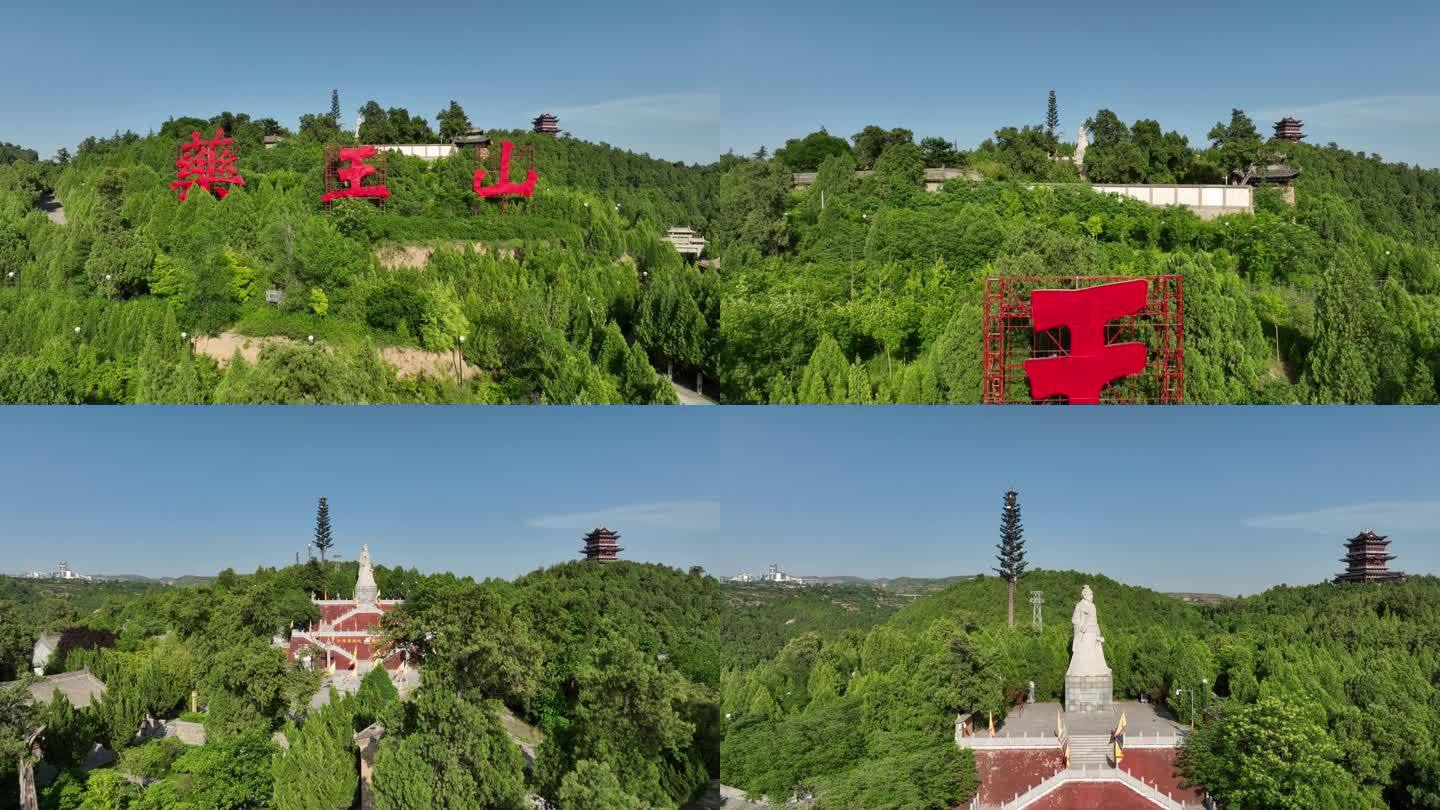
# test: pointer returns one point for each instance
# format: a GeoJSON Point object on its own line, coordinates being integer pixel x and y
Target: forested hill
{"type": "Point", "coordinates": [569, 296]}
{"type": "Point", "coordinates": [616, 665]}
{"type": "Point", "coordinates": [1347, 678]}
{"type": "Point", "coordinates": [876, 296]}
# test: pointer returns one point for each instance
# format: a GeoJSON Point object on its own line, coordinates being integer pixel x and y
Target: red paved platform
{"type": "Point", "coordinates": [1157, 767]}
{"type": "Point", "coordinates": [1005, 774]}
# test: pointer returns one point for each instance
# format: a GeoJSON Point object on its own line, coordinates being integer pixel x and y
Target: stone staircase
{"type": "Point", "coordinates": [1089, 751]}
{"type": "Point", "coordinates": [1104, 774]}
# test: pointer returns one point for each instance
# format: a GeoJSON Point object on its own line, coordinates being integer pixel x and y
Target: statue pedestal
{"type": "Point", "coordinates": [1089, 693]}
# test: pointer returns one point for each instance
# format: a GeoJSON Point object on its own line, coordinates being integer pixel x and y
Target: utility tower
{"type": "Point", "coordinates": [1037, 599]}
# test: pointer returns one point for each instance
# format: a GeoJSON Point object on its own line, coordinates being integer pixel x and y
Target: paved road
{"type": "Point", "coordinates": [53, 209]}
{"type": "Point", "coordinates": [724, 797]}
{"type": "Point", "coordinates": [689, 397]}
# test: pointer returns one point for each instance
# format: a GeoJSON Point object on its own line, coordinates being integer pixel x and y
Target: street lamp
{"type": "Point", "coordinates": [1206, 683]}
{"type": "Point", "coordinates": [459, 357]}
{"type": "Point", "coordinates": [312, 340]}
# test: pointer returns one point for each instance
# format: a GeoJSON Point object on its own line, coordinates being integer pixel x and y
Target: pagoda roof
{"type": "Point", "coordinates": [1369, 537]}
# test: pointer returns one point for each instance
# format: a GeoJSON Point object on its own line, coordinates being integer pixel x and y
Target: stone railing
{"type": "Point", "coordinates": [985, 741]}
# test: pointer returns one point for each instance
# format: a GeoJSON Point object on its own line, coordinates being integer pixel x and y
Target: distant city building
{"type": "Point", "coordinates": [546, 124]}
{"type": "Point", "coordinates": [742, 578]}
{"type": "Point", "coordinates": [348, 631]}
{"type": "Point", "coordinates": [601, 546]}
{"type": "Point", "coordinates": [1367, 559]}
{"type": "Point", "coordinates": [774, 574]}
{"type": "Point", "coordinates": [62, 572]}
{"type": "Point", "coordinates": [1288, 129]}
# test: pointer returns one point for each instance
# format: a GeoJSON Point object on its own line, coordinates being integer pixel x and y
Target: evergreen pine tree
{"type": "Point", "coordinates": [1052, 120]}
{"type": "Point", "coordinates": [1011, 548]}
{"type": "Point", "coordinates": [335, 109]}
{"type": "Point", "coordinates": [323, 541]}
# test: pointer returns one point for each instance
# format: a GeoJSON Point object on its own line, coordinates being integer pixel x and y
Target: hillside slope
{"type": "Point", "coordinates": [567, 297]}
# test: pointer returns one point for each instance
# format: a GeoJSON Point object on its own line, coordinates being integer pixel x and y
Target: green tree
{"type": "Point", "coordinates": [1275, 753]}
{"type": "Point", "coordinates": [452, 753]}
{"type": "Point", "coordinates": [319, 770]}
{"type": "Point", "coordinates": [18, 720]}
{"type": "Point", "coordinates": [826, 377]}
{"type": "Point", "coordinates": [592, 784]}
{"type": "Point", "coordinates": [324, 539]}
{"type": "Point", "coordinates": [806, 154]}
{"type": "Point", "coordinates": [1237, 143]}
{"type": "Point", "coordinates": [453, 121]}
{"type": "Point", "coordinates": [1011, 550]}
{"type": "Point", "coordinates": [1052, 122]}
{"type": "Point", "coordinates": [1341, 367]}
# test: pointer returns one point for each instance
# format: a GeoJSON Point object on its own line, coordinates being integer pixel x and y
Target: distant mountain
{"type": "Point", "coordinates": [187, 579]}
{"type": "Point", "coordinates": [897, 585]}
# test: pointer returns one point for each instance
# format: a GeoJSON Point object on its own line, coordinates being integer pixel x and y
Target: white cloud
{"type": "Point", "coordinates": [1381, 516]}
{"type": "Point", "coordinates": [661, 515]}
{"type": "Point", "coordinates": [690, 108]}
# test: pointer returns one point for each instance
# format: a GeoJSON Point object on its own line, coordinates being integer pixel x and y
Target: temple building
{"type": "Point", "coordinates": [1288, 129]}
{"type": "Point", "coordinates": [1367, 560]}
{"type": "Point", "coordinates": [546, 124]}
{"type": "Point", "coordinates": [346, 637]}
{"type": "Point", "coordinates": [600, 546]}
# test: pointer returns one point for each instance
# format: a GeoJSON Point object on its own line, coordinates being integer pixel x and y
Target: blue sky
{"type": "Point", "coordinates": [629, 74]}
{"type": "Point", "coordinates": [1360, 74]}
{"type": "Point", "coordinates": [687, 82]}
{"type": "Point", "coordinates": [1229, 500]}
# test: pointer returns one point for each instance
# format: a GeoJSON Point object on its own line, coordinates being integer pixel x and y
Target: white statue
{"type": "Point", "coordinates": [1087, 656]}
{"type": "Point", "coordinates": [1082, 140]}
{"type": "Point", "coordinates": [366, 592]}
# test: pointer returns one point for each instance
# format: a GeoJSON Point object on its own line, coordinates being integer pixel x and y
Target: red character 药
{"type": "Point", "coordinates": [207, 164]}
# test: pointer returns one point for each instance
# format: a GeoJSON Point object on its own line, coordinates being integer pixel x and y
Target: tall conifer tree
{"type": "Point", "coordinates": [335, 108]}
{"type": "Point", "coordinates": [323, 541]}
{"type": "Point", "coordinates": [1052, 121]}
{"type": "Point", "coordinates": [1011, 548]}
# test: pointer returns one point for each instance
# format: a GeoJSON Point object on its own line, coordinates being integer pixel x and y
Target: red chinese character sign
{"type": "Point", "coordinates": [346, 172]}
{"type": "Point", "coordinates": [1084, 340]}
{"type": "Point", "coordinates": [207, 164]}
{"type": "Point", "coordinates": [503, 187]}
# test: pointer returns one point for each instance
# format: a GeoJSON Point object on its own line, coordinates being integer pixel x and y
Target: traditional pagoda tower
{"type": "Point", "coordinates": [1288, 129]}
{"type": "Point", "coordinates": [546, 124]}
{"type": "Point", "coordinates": [1366, 560]}
{"type": "Point", "coordinates": [600, 546]}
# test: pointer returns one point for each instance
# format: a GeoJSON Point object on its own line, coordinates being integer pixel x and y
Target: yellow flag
{"type": "Point", "coordinates": [1118, 753]}
{"type": "Point", "coordinates": [992, 724]}
{"type": "Point", "coordinates": [1059, 729]}
{"type": "Point", "coordinates": [1120, 727]}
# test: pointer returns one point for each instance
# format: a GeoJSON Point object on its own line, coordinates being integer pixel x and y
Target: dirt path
{"type": "Point", "coordinates": [53, 209]}
{"type": "Point", "coordinates": [395, 256]}
{"type": "Point", "coordinates": [408, 361]}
